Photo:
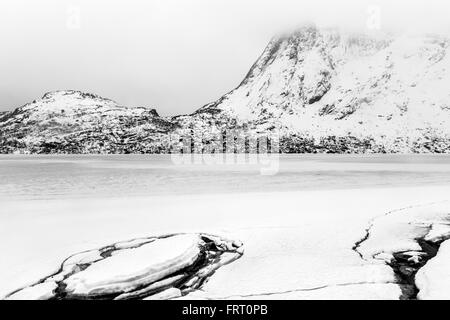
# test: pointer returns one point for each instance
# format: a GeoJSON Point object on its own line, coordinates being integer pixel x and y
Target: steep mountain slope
{"type": "Point", "coordinates": [325, 91]}
{"type": "Point", "coordinates": [76, 122]}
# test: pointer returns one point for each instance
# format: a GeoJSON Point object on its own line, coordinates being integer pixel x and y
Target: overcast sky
{"type": "Point", "coordinates": [173, 55]}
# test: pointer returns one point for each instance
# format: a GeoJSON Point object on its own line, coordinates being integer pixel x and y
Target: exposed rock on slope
{"type": "Point", "coordinates": [76, 122]}
{"type": "Point", "coordinates": [330, 92]}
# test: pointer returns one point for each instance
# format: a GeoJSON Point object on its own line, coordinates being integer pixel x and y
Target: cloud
{"type": "Point", "coordinates": [175, 55]}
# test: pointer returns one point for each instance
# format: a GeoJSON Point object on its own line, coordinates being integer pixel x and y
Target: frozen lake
{"type": "Point", "coordinates": [53, 177]}
{"type": "Point", "coordinates": [323, 227]}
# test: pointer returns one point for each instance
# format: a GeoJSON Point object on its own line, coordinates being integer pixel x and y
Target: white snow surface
{"type": "Point", "coordinates": [433, 280]}
{"type": "Point", "coordinates": [398, 230]}
{"type": "Point", "coordinates": [296, 244]}
{"type": "Point", "coordinates": [298, 241]}
{"type": "Point", "coordinates": [41, 291]}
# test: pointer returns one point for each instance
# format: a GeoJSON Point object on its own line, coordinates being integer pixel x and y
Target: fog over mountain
{"type": "Point", "coordinates": [175, 55]}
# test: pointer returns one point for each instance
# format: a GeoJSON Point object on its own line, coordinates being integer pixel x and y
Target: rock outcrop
{"type": "Point", "coordinates": [162, 267]}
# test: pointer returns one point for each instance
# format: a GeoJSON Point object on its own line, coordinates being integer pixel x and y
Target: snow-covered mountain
{"type": "Point", "coordinates": [322, 90]}
{"type": "Point", "coordinates": [76, 122]}
{"type": "Point", "coordinates": [328, 91]}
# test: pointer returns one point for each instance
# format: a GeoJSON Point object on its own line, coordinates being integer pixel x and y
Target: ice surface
{"type": "Point", "coordinates": [297, 243]}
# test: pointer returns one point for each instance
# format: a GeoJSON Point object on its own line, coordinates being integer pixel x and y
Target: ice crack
{"type": "Point", "coordinates": [416, 227]}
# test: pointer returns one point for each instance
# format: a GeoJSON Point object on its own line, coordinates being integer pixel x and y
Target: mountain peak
{"type": "Point", "coordinates": [72, 94]}
{"type": "Point", "coordinates": [70, 121]}
{"type": "Point", "coordinates": [331, 83]}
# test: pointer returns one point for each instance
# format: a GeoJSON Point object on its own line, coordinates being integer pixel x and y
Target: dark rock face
{"type": "Point", "coordinates": [3, 114]}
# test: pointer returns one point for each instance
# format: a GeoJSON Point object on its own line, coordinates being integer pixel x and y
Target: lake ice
{"type": "Point", "coordinates": [298, 227]}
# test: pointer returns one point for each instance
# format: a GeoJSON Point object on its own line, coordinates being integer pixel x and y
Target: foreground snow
{"type": "Point", "coordinates": [433, 279]}
{"type": "Point", "coordinates": [297, 244]}
{"type": "Point", "coordinates": [153, 268]}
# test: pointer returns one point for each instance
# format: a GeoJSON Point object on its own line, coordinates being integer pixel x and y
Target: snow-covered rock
{"type": "Point", "coordinates": [133, 268]}
{"type": "Point", "coordinates": [163, 267]}
{"type": "Point", "coordinates": [433, 280]}
{"type": "Point", "coordinates": [165, 295]}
